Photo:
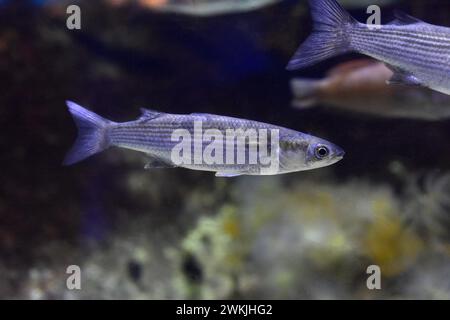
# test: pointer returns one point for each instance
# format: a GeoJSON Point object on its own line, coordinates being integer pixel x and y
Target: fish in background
{"type": "Point", "coordinates": [365, 3]}
{"type": "Point", "coordinates": [360, 86]}
{"type": "Point", "coordinates": [153, 133]}
{"type": "Point", "coordinates": [417, 52]}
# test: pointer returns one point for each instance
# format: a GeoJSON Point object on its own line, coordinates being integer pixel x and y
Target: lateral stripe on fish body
{"type": "Point", "coordinates": [417, 52]}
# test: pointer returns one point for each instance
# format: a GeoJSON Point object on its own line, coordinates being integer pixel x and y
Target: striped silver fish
{"type": "Point", "coordinates": [160, 135]}
{"type": "Point", "coordinates": [417, 52]}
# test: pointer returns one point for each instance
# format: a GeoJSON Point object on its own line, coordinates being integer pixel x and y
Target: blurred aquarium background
{"type": "Point", "coordinates": [181, 234]}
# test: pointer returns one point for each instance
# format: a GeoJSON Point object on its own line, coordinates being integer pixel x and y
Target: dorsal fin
{"type": "Point", "coordinates": [402, 18]}
{"type": "Point", "coordinates": [148, 114]}
{"type": "Point", "coordinates": [205, 116]}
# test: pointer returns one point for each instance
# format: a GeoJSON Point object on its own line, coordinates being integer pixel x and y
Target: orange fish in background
{"type": "Point", "coordinates": [361, 86]}
{"type": "Point", "coordinates": [205, 7]}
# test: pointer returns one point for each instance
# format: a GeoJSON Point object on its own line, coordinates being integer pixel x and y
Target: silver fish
{"type": "Point", "coordinates": [417, 52]}
{"type": "Point", "coordinates": [158, 135]}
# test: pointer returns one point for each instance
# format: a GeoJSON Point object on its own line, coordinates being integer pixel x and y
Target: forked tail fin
{"type": "Point", "coordinates": [92, 134]}
{"type": "Point", "coordinates": [330, 35]}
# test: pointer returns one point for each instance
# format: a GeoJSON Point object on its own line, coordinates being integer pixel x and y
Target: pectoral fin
{"type": "Point", "coordinates": [403, 77]}
{"type": "Point", "coordinates": [157, 163]}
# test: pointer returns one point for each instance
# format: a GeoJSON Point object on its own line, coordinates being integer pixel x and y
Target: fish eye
{"type": "Point", "coordinates": [321, 152]}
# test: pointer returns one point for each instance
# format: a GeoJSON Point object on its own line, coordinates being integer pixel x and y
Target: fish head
{"type": "Point", "coordinates": [303, 152]}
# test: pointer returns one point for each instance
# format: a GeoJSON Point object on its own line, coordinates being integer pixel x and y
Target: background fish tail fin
{"type": "Point", "coordinates": [92, 134]}
{"type": "Point", "coordinates": [330, 35]}
{"type": "Point", "coordinates": [306, 92]}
